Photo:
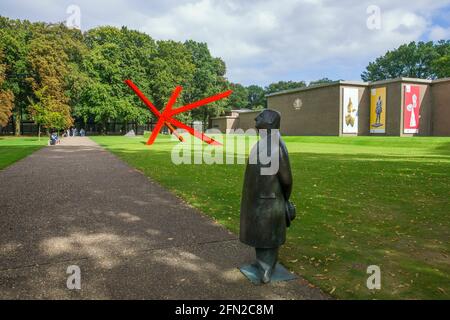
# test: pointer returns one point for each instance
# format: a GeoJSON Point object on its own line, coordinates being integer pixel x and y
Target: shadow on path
{"type": "Point", "coordinates": [77, 204]}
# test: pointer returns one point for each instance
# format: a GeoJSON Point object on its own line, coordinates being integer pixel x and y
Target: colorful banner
{"type": "Point", "coordinates": [350, 106]}
{"type": "Point", "coordinates": [411, 109]}
{"type": "Point", "coordinates": [378, 110]}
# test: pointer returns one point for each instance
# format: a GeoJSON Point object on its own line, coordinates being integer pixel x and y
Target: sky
{"type": "Point", "coordinates": [265, 41]}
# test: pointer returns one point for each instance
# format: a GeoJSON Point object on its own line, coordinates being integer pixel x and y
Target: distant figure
{"type": "Point", "coordinates": [82, 132]}
{"type": "Point", "coordinates": [54, 139]}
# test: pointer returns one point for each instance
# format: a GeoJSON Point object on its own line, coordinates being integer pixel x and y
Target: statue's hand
{"type": "Point", "coordinates": [291, 212]}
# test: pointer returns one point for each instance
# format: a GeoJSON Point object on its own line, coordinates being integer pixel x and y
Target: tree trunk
{"type": "Point", "coordinates": [17, 120]}
{"type": "Point", "coordinates": [205, 120]}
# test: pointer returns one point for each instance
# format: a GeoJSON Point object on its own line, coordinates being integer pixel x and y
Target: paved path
{"type": "Point", "coordinates": [77, 204]}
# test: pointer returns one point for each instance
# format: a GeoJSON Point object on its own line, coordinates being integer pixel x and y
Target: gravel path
{"type": "Point", "coordinates": [77, 204]}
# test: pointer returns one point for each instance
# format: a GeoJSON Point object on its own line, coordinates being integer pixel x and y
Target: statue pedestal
{"type": "Point", "coordinates": [279, 274]}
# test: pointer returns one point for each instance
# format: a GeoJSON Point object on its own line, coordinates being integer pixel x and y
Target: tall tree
{"type": "Point", "coordinates": [6, 96]}
{"type": "Point", "coordinates": [170, 66]}
{"type": "Point", "coordinates": [14, 37]}
{"type": "Point", "coordinates": [256, 97]}
{"type": "Point", "coordinates": [412, 60]}
{"type": "Point", "coordinates": [115, 55]}
{"type": "Point", "coordinates": [52, 69]}
{"type": "Point", "coordinates": [49, 67]}
{"type": "Point", "coordinates": [208, 79]}
{"type": "Point", "coordinates": [441, 65]}
{"type": "Point", "coordinates": [239, 98]}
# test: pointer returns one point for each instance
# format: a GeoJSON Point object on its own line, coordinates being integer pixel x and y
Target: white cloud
{"type": "Point", "coordinates": [263, 40]}
{"type": "Point", "coordinates": [438, 33]}
{"type": "Point", "coordinates": [268, 40]}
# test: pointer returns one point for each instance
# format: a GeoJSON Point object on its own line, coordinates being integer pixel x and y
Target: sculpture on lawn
{"type": "Point", "coordinates": [266, 211]}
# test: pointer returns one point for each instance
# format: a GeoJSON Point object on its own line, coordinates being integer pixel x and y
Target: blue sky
{"type": "Point", "coordinates": [263, 41]}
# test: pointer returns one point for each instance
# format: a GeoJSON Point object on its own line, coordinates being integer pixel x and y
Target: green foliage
{"type": "Point", "coordinates": [48, 70]}
{"type": "Point", "coordinates": [320, 81]}
{"type": "Point", "coordinates": [284, 85]}
{"type": "Point", "coordinates": [425, 60]}
{"type": "Point", "coordinates": [14, 35]}
{"type": "Point", "coordinates": [48, 111]}
{"type": "Point", "coordinates": [6, 96]}
{"type": "Point", "coordinates": [256, 97]}
{"type": "Point", "coordinates": [114, 55]}
{"type": "Point", "coordinates": [441, 65]}
{"type": "Point", "coordinates": [208, 79]}
{"type": "Point", "coordinates": [239, 98]}
{"type": "Point", "coordinates": [170, 66]}
{"type": "Point", "coordinates": [51, 68]}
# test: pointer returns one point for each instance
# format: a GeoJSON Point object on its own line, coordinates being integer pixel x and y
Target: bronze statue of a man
{"type": "Point", "coordinates": [265, 207]}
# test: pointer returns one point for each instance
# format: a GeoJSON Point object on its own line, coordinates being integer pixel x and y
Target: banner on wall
{"type": "Point", "coordinates": [350, 107]}
{"type": "Point", "coordinates": [378, 110]}
{"type": "Point", "coordinates": [411, 109]}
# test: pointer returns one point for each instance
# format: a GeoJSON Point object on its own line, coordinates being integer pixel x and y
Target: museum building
{"type": "Point", "coordinates": [397, 107]}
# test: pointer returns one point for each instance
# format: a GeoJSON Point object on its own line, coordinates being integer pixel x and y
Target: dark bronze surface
{"type": "Point", "coordinates": [265, 207]}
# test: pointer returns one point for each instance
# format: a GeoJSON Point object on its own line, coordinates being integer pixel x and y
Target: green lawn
{"type": "Point", "coordinates": [361, 201]}
{"type": "Point", "coordinates": [13, 149]}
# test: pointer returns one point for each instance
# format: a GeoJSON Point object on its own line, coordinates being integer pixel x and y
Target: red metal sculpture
{"type": "Point", "coordinates": [166, 117]}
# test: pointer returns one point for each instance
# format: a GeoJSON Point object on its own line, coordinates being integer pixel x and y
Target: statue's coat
{"type": "Point", "coordinates": [264, 197]}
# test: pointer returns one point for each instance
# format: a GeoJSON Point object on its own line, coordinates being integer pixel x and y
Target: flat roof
{"type": "Point", "coordinates": [359, 83]}
{"type": "Point", "coordinates": [244, 110]}
{"type": "Point", "coordinates": [441, 80]}
{"type": "Point", "coordinates": [322, 85]}
{"type": "Point", "coordinates": [402, 79]}
{"type": "Point", "coordinates": [225, 117]}
{"type": "Point", "coordinates": [237, 111]}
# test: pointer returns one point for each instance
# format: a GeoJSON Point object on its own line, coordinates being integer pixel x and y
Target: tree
{"type": "Point", "coordinates": [48, 71]}
{"type": "Point", "coordinates": [98, 99]}
{"type": "Point", "coordinates": [441, 65]}
{"type": "Point", "coordinates": [97, 104]}
{"type": "Point", "coordinates": [239, 98]}
{"type": "Point", "coordinates": [171, 66]}
{"type": "Point", "coordinates": [256, 97]}
{"type": "Point", "coordinates": [208, 79]}
{"type": "Point", "coordinates": [14, 35]}
{"type": "Point", "coordinates": [414, 60]}
{"type": "Point", "coordinates": [115, 55]}
{"type": "Point", "coordinates": [284, 85]}
{"type": "Point", "coordinates": [320, 81]}
{"type": "Point", "coordinates": [52, 70]}
{"type": "Point", "coordinates": [46, 112]}
{"type": "Point", "coordinates": [6, 96]}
